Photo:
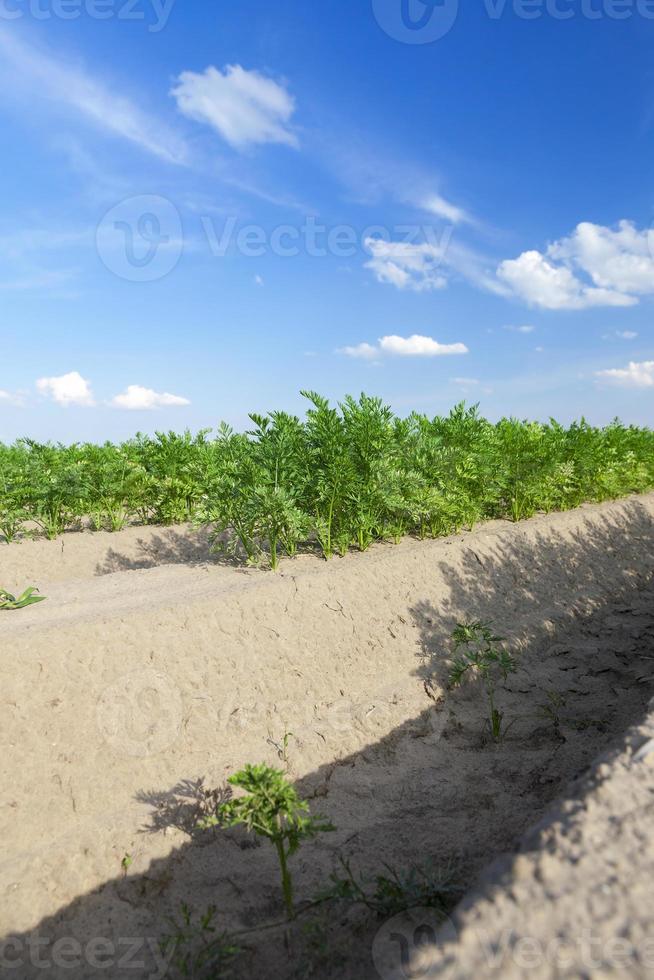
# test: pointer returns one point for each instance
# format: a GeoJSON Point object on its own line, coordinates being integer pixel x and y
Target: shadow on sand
{"type": "Point", "coordinates": [432, 792]}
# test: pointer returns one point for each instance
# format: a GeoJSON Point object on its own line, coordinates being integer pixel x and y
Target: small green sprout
{"type": "Point", "coordinates": [282, 747]}
{"type": "Point", "coordinates": [9, 601]}
{"type": "Point", "coordinates": [199, 950]}
{"type": "Point", "coordinates": [551, 710]}
{"type": "Point", "coordinates": [481, 654]}
{"type": "Point", "coordinates": [431, 886]}
{"type": "Point", "coordinates": [272, 809]}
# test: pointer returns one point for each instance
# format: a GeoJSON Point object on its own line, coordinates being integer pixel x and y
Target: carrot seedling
{"type": "Point", "coordinates": [272, 809]}
{"type": "Point", "coordinates": [479, 653]}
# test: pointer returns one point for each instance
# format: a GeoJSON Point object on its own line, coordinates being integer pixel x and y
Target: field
{"type": "Point", "coordinates": [166, 658]}
{"type": "Point", "coordinates": [340, 478]}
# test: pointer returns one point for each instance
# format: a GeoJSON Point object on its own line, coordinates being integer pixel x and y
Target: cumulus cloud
{"type": "Point", "coordinates": [414, 346]}
{"type": "Point", "coordinates": [635, 375]}
{"type": "Point", "coordinates": [67, 389]}
{"type": "Point", "coordinates": [594, 266]}
{"type": "Point", "coordinates": [245, 107]}
{"type": "Point", "coordinates": [136, 398]}
{"type": "Point", "coordinates": [534, 278]}
{"type": "Point", "coordinates": [407, 265]}
{"type": "Point", "coordinates": [419, 346]}
{"type": "Point", "coordinates": [525, 328]}
{"type": "Point", "coordinates": [626, 334]}
{"type": "Point", "coordinates": [616, 259]}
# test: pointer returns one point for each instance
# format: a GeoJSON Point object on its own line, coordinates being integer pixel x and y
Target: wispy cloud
{"type": "Point", "coordinates": [405, 265]}
{"type": "Point", "coordinates": [13, 398]}
{"type": "Point", "coordinates": [74, 89]}
{"type": "Point", "coordinates": [365, 351]}
{"type": "Point", "coordinates": [51, 279]}
{"type": "Point", "coordinates": [437, 205]}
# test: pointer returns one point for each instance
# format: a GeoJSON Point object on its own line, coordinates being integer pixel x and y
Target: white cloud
{"type": "Point", "coordinates": [245, 107]}
{"type": "Point", "coordinates": [619, 259]}
{"type": "Point", "coordinates": [626, 334]}
{"type": "Point", "coordinates": [426, 266]}
{"type": "Point", "coordinates": [258, 281]}
{"type": "Point", "coordinates": [541, 283]}
{"type": "Point", "coordinates": [365, 351]}
{"type": "Point", "coordinates": [438, 206]}
{"type": "Point", "coordinates": [594, 266]}
{"type": "Point", "coordinates": [67, 389]}
{"type": "Point", "coordinates": [418, 346]}
{"type": "Point", "coordinates": [136, 398]}
{"type": "Point", "coordinates": [405, 265]}
{"type": "Point", "coordinates": [465, 382]}
{"type": "Point", "coordinates": [414, 346]}
{"type": "Point", "coordinates": [636, 375]}
{"type": "Point", "coordinates": [526, 328]}
{"type": "Point", "coordinates": [56, 80]}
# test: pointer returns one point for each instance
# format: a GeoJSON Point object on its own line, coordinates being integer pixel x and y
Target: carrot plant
{"type": "Point", "coordinates": [478, 652]}
{"type": "Point", "coordinates": [330, 473]}
{"type": "Point", "coordinates": [272, 809]}
{"type": "Point", "coordinates": [343, 476]}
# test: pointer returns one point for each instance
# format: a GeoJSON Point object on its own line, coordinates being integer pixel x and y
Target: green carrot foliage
{"type": "Point", "coordinates": [342, 477]}
{"type": "Point", "coordinates": [271, 809]}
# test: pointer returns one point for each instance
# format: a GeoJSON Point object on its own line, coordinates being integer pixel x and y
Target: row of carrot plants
{"type": "Point", "coordinates": [342, 476]}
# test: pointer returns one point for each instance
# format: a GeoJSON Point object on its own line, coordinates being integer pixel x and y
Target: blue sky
{"type": "Point", "coordinates": [208, 207]}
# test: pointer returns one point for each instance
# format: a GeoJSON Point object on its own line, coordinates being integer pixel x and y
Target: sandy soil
{"type": "Point", "coordinates": [576, 899]}
{"type": "Point", "coordinates": [152, 673]}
